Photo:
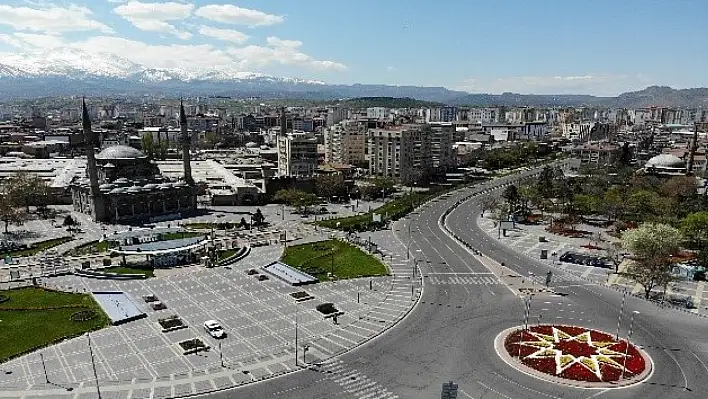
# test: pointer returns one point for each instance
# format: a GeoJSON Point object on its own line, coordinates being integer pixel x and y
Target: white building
{"type": "Point", "coordinates": [483, 115]}
{"type": "Point", "coordinates": [297, 154]}
{"type": "Point", "coordinates": [441, 141]}
{"type": "Point", "coordinates": [377, 113]}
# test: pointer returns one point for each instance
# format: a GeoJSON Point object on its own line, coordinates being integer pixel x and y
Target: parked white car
{"type": "Point", "coordinates": [214, 329]}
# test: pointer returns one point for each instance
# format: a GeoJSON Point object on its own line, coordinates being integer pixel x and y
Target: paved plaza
{"type": "Point", "coordinates": [137, 360]}
{"type": "Point", "coordinates": [524, 240]}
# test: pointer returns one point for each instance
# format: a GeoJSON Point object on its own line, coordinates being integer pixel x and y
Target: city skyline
{"type": "Point", "coordinates": [598, 48]}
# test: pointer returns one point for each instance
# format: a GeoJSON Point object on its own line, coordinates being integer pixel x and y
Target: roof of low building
{"type": "Point", "coordinates": [665, 161]}
{"type": "Point", "coordinates": [120, 152]}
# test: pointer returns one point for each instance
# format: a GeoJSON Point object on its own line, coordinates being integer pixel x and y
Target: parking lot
{"type": "Point", "coordinates": [258, 316]}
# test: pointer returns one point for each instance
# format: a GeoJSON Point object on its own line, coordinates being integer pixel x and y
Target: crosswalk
{"type": "Point", "coordinates": [355, 383]}
{"type": "Point", "coordinates": [462, 280]}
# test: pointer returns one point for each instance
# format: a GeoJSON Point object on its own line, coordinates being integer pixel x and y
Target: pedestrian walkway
{"type": "Point", "coordinates": [137, 360]}
{"type": "Point", "coordinates": [353, 382]}
{"type": "Point", "coordinates": [525, 240]}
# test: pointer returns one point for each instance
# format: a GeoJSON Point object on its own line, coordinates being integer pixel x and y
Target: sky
{"type": "Point", "coordinates": [600, 47]}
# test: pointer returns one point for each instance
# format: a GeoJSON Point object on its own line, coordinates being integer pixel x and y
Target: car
{"type": "Point", "coordinates": [214, 329]}
{"type": "Point", "coordinates": [251, 272]}
{"type": "Point", "coordinates": [262, 277]}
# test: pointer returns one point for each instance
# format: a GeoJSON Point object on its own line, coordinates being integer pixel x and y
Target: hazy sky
{"type": "Point", "coordinates": [548, 46]}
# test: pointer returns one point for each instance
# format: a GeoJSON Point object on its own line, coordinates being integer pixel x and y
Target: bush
{"type": "Point", "coordinates": [84, 315]}
{"type": "Point", "coordinates": [697, 276]}
{"type": "Point", "coordinates": [326, 308]}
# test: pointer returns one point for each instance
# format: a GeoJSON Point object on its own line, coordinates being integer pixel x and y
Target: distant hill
{"type": "Point", "coordinates": [388, 102]}
{"type": "Point", "coordinates": [66, 72]}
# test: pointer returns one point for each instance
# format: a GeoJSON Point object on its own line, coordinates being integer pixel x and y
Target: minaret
{"type": "Point", "coordinates": [186, 141]}
{"type": "Point", "coordinates": [97, 205]}
{"type": "Point", "coordinates": [283, 122]}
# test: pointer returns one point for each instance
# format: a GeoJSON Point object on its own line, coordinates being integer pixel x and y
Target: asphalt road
{"type": "Point", "coordinates": [450, 334]}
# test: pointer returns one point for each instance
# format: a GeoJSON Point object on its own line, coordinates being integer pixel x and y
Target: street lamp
{"type": "Point", "coordinates": [619, 318]}
{"type": "Point", "coordinates": [626, 348]}
{"type": "Point", "coordinates": [93, 364]}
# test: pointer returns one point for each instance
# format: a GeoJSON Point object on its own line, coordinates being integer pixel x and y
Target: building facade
{"type": "Point", "coordinates": [345, 143]}
{"type": "Point", "coordinates": [401, 152]}
{"type": "Point", "coordinates": [297, 154]}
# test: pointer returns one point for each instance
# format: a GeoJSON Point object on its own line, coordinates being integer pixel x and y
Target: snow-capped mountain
{"type": "Point", "coordinates": [77, 64]}
{"type": "Point", "coordinates": [70, 71]}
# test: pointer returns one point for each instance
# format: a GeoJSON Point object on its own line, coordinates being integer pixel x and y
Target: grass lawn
{"type": "Point", "coordinates": [349, 261]}
{"type": "Point", "coordinates": [42, 320]}
{"type": "Point", "coordinates": [226, 253]}
{"type": "Point", "coordinates": [149, 272]}
{"type": "Point", "coordinates": [180, 235]}
{"type": "Point", "coordinates": [392, 210]}
{"type": "Point", "coordinates": [38, 247]}
{"type": "Point", "coordinates": [92, 247]}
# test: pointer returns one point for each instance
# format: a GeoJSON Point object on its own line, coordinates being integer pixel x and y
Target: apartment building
{"type": "Point", "coordinates": [345, 143]}
{"type": "Point", "coordinates": [297, 154]}
{"type": "Point", "coordinates": [577, 131]}
{"type": "Point", "coordinates": [442, 138]}
{"type": "Point", "coordinates": [400, 152]}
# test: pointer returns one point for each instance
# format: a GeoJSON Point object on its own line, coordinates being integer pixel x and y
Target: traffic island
{"type": "Point", "coordinates": [573, 356]}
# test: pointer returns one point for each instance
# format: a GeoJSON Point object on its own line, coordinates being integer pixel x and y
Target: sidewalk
{"type": "Point", "coordinates": [525, 240]}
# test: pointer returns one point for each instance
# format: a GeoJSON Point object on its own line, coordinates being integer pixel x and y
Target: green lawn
{"type": "Point", "coordinates": [392, 210]}
{"type": "Point", "coordinates": [38, 247]}
{"type": "Point", "coordinates": [226, 253]}
{"type": "Point", "coordinates": [349, 261]}
{"type": "Point", "coordinates": [149, 272]}
{"type": "Point", "coordinates": [180, 235]}
{"type": "Point", "coordinates": [45, 318]}
{"type": "Point", "coordinates": [92, 247]}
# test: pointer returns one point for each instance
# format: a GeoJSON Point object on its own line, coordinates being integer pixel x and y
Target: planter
{"type": "Point", "coordinates": [172, 323]}
{"type": "Point", "coordinates": [193, 346]}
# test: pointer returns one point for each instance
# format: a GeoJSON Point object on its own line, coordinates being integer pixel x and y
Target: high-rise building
{"type": "Point", "coordinates": [345, 143]}
{"type": "Point", "coordinates": [400, 152]}
{"type": "Point", "coordinates": [441, 141]}
{"type": "Point", "coordinates": [297, 154]}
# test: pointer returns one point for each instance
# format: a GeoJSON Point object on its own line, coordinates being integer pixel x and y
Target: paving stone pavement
{"type": "Point", "coordinates": [138, 360]}
{"type": "Point", "coordinates": [525, 241]}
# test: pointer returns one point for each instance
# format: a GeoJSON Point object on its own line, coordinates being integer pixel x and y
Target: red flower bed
{"type": "Point", "coordinates": [574, 353]}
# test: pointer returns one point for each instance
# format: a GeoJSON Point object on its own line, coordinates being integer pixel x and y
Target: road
{"type": "Point", "coordinates": [449, 335]}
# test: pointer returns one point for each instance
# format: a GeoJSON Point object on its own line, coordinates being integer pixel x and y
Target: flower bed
{"type": "Point", "coordinates": [575, 353]}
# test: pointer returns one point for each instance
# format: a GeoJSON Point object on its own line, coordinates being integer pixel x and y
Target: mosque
{"type": "Point", "coordinates": [125, 187]}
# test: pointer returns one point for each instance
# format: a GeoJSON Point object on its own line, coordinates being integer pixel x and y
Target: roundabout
{"type": "Point", "coordinates": [573, 355]}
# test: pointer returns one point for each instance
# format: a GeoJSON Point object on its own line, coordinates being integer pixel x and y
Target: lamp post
{"type": "Point", "coordinates": [93, 364]}
{"type": "Point", "coordinates": [619, 318]}
{"type": "Point", "coordinates": [297, 311]}
{"type": "Point", "coordinates": [626, 348]}
{"type": "Point", "coordinates": [332, 257]}
{"type": "Point", "coordinates": [221, 355]}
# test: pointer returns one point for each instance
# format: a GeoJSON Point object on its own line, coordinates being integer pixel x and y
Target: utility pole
{"type": "Point", "coordinates": [626, 348]}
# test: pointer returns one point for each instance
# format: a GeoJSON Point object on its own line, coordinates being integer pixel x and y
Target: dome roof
{"type": "Point", "coordinates": [120, 152]}
{"type": "Point", "coordinates": [665, 161]}
{"type": "Point", "coordinates": [251, 144]}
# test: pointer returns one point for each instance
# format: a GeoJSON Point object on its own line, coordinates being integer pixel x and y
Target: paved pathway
{"type": "Point", "coordinates": [136, 360]}
{"type": "Point", "coordinates": [524, 240]}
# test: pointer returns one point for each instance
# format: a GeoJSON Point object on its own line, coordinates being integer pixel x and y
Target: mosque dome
{"type": "Point", "coordinates": [120, 152]}
{"type": "Point", "coordinates": [665, 161]}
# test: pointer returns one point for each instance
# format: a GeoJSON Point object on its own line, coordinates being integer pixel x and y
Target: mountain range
{"type": "Point", "coordinates": [64, 71]}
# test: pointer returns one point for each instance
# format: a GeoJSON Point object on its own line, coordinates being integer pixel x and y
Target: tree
{"type": "Point", "coordinates": [147, 144]}
{"type": "Point", "coordinates": [615, 254]}
{"type": "Point", "coordinates": [69, 221]}
{"type": "Point", "coordinates": [25, 189]}
{"type": "Point", "coordinates": [652, 244]}
{"type": "Point", "coordinates": [614, 204]}
{"type": "Point", "coordinates": [258, 218]}
{"type": "Point", "coordinates": [511, 195]}
{"type": "Point", "coordinates": [489, 203]}
{"type": "Point", "coordinates": [695, 228]}
{"type": "Point", "coordinates": [384, 184]}
{"type": "Point", "coordinates": [330, 185]}
{"type": "Point", "coordinates": [10, 213]}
